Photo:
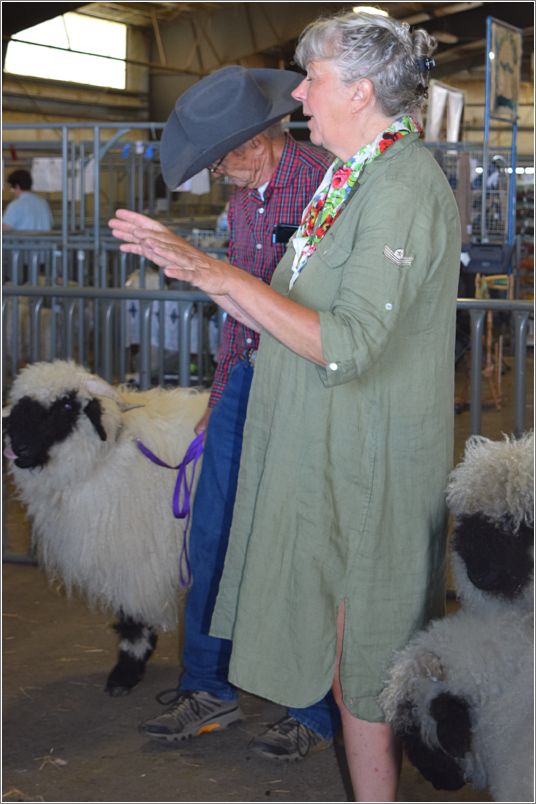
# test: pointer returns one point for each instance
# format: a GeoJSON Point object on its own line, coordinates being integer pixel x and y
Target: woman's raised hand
{"type": "Point", "coordinates": [151, 239]}
{"type": "Point", "coordinates": [133, 228]}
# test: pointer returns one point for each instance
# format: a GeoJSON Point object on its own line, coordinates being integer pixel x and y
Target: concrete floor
{"type": "Point", "coordinates": [66, 741]}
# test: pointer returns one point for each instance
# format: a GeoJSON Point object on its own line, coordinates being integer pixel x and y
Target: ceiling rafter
{"type": "Point", "coordinates": [142, 13]}
{"type": "Point", "coordinates": [457, 26]}
{"type": "Point", "coordinates": [437, 11]}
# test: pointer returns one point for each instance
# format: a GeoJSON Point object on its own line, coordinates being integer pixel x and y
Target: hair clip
{"type": "Point", "coordinates": [425, 64]}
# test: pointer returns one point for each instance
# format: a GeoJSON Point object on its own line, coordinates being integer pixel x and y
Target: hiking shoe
{"type": "Point", "coordinates": [192, 714]}
{"type": "Point", "coordinates": [289, 740]}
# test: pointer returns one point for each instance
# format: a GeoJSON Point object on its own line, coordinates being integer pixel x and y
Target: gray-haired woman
{"type": "Point", "coordinates": [337, 552]}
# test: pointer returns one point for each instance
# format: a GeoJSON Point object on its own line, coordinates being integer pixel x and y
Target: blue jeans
{"type": "Point", "coordinates": [205, 658]}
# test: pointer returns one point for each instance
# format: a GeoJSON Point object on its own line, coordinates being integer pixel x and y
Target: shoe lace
{"type": "Point", "coordinates": [287, 725]}
{"type": "Point", "coordinates": [177, 699]}
{"type": "Point", "coordinates": [174, 695]}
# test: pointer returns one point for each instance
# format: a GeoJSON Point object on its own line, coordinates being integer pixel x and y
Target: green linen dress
{"type": "Point", "coordinates": [344, 468]}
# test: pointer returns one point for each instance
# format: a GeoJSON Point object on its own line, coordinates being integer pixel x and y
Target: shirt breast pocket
{"type": "Point", "coordinates": [334, 254]}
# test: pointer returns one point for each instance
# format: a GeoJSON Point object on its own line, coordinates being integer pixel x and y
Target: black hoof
{"type": "Point", "coordinates": [117, 691]}
{"type": "Point", "coordinates": [125, 676]}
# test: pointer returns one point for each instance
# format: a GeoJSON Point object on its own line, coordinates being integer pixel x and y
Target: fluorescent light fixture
{"type": "Point", "coordinates": [370, 10]}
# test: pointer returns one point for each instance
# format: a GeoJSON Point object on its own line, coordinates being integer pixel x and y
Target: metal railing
{"type": "Point", "coordinates": [520, 312]}
{"type": "Point", "coordinates": [43, 321]}
{"type": "Point", "coordinates": [118, 163]}
{"type": "Point", "coordinates": [108, 357]}
{"type": "Point", "coordinates": [107, 361]}
{"type": "Point", "coordinates": [65, 334]}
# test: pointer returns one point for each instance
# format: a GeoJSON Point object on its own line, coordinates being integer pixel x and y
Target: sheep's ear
{"type": "Point", "coordinates": [99, 387]}
{"type": "Point", "coordinates": [125, 408]}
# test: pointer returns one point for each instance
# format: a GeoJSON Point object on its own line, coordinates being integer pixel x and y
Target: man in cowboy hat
{"type": "Point", "coordinates": [230, 123]}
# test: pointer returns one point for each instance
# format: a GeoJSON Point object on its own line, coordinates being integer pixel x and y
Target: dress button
{"type": "Point", "coordinates": [258, 246]}
{"type": "Point", "coordinates": [388, 306]}
{"type": "Point", "coordinates": [333, 366]}
{"type": "Point", "coordinates": [249, 340]}
{"type": "Point", "coordinates": [260, 210]}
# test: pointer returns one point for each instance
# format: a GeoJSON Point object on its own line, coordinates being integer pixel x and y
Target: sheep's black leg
{"type": "Point", "coordinates": [137, 642]}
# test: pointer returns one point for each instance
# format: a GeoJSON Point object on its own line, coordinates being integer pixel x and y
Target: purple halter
{"type": "Point", "coordinates": [183, 491]}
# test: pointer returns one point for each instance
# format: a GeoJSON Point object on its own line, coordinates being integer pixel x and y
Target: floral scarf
{"type": "Point", "coordinates": [339, 181]}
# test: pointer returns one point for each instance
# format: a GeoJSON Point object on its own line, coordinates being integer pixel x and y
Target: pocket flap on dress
{"type": "Point", "coordinates": [333, 253]}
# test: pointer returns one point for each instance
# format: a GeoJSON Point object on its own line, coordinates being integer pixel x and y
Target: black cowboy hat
{"type": "Point", "coordinates": [221, 112]}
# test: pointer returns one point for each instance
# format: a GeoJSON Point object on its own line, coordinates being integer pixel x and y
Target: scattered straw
{"type": "Point", "coordinates": [14, 794]}
{"type": "Point", "coordinates": [48, 759]}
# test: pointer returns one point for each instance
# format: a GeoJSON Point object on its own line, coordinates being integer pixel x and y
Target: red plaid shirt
{"type": "Point", "coordinates": [251, 220]}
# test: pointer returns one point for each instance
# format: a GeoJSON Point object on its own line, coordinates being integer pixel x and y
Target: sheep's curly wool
{"type": "Point", "coordinates": [495, 479]}
{"type": "Point", "coordinates": [101, 511]}
{"type": "Point", "coordinates": [491, 494]}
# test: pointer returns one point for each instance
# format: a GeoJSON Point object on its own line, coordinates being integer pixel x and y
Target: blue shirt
{"type": "Point", "coordinates": [28, 212]}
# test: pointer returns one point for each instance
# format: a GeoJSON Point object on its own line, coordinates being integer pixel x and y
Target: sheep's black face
{"type": "Point", "coordinates": [34, 428]}
{"type": "Point", "coordinates": [435, 764]}
{"type": "Point", "coordinates": [497, 558]}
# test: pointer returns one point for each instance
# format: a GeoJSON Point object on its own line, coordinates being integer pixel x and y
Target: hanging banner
{"type": "Point", "coordinates": [442, 97]}
{"type": "Point", "coordinates": [47, 176]}
{"type": "Point", "coordinates": [505, 53]}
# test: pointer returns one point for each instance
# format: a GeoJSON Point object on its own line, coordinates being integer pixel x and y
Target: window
{"type": "Point", "coordinates": [71, 32]}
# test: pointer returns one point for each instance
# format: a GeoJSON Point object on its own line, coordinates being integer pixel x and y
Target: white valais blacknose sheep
{"type": "Point", "coordinates": [460, 695]}
{"type": "Point", "coordinates": [491, 494]}
{"type": "Point", "coordinates": [102, 514]}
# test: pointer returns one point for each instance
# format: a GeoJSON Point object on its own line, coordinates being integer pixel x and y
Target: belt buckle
{"type": "Point", "coordinates": [251, 356]}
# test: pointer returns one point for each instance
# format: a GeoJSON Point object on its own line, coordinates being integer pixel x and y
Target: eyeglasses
{"type": "Point", "coordinates": [215, 165]}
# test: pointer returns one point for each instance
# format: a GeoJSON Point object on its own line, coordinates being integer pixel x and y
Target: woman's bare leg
{"type": "Point", "coordinates": [372, 752]}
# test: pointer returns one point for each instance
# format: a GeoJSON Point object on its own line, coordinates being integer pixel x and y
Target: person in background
{"type": "Point", "coordinates": [230, 122]}
{"type": "Point", "coordinates": [337, 551]}
{"type": "Point", "coordinates": [28, 211]}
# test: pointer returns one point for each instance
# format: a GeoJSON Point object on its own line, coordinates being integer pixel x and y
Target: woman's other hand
{"type": "Point", "coordinates": [182, 261]}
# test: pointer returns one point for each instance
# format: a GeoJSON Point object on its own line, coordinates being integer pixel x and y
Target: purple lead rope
{"type": "Point", "coordinates": [183, 490]}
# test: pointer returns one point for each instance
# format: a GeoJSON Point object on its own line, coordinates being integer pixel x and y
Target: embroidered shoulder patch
{"type": "Point", "coordinates": [397, 256]}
